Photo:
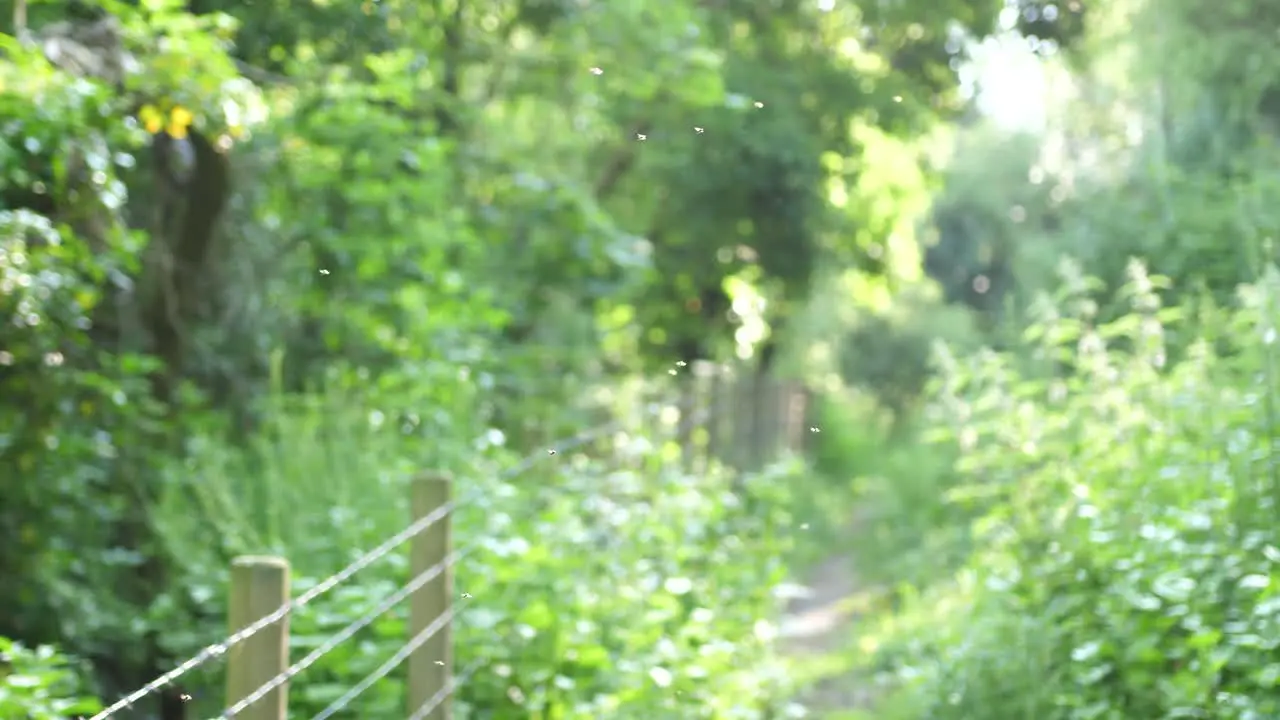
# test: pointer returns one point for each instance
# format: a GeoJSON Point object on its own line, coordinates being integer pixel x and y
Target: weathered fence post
{"type": "Point", "coordinates": [741, 384]}
{"type": "Point", "coordinates": [772, 419]}
{"type": "Point", "coordinates": [754, 386]}
{"type": "Point", "coordinates": [797, 411]}
{"type": "Point", "coordinates": [718, 409]}
{"type": "Point", "coordinates": [431, 664]}
{"type": "Point", "coordinates": [687, 389]}
{"type": "Point", "coordinates": [701, 412]}
{"type": "Point", "coordinates": [259, 587]}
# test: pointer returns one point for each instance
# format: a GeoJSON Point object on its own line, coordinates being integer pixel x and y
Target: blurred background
{"type": "Point", "coordinates": [927, 348]}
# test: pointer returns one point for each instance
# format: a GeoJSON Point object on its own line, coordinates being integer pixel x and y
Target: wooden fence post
{"type": "Point", "coordinates": [754, 392]}
{"type": "Point", "coordinates": [715, 418]}
{"type": "Point", "coordinates": [431, 665]}
{"type": "Point", "coordinates": [703, 407]}
{"type": "Point", "coordinates": [687, 388]}
{"type": "Point", "coordinates": [769, 417]}
{"type": "Point", "coordinates": [797, 409]}
{"type": "Point", "coordinates": [259, 587]}
{"type": "Point", "coordinates": [740, 390]}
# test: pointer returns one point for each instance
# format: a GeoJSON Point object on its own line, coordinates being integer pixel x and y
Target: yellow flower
{"type": "Point", "coordinates": [181, 116]}
{"type": "Point", "coordinates": [151, 118]}
{"type": "Point", "coordinates": [179, 120]}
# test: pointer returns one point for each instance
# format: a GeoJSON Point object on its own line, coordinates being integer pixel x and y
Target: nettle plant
{"type": "Point", "coordinates": [1127, 544]}
{"type": "Point", "coordinates": [599, 592]}
{"type": "Point", "coordinates": [41, 684]}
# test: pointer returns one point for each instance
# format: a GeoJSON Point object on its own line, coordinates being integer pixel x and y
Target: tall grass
{"type": "Point", "coordinates": [324, 476]}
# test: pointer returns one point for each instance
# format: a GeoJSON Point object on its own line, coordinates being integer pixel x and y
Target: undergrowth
{"type": "Point", "coordinates": [604, 582]}
{"type": "Point", "coordinates": [1096, 538]}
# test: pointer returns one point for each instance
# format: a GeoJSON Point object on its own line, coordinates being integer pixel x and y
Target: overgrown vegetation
{"type": "Point", "coordinates": [1125, 537]}
{"type": "Point", "coordinates": [41, 684]}
{"type": "Point", "coordinates": [1078, 519]}
{"type": "Point", "coordinates": [260, 263]}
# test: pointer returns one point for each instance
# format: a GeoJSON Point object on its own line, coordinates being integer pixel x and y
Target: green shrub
{"type": "Point", "coordinates": [885, 491]}
{"type": "Point", "coordinates": [881, 488]}
{"type": "Point", "coordinates": [41, 684]}
{"type": "Point", "coordinates": [887, 352]}
{"type": "Point", "coordinates": [1126, 549]}
{"type": "Point", "coordinates": [630, 595]}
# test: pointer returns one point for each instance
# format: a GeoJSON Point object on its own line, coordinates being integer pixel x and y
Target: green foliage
{"type": "Point", "coordinates": [995, 202]}
{"type": "Point", "coordinates": [889, 352]}
{"type": "Point", "coordinates": [1159, 144]}
{"type": "Point", "coordinates": [639, 625]}
{"type": "Point", "coordinates": [1113, 578]}
{"type": "Point", "coordinates": [561, 123]}
{"type": "Point", "coordinates": [877, 346]}
{"type": "Point", "coordinates": [267, 261]}
{"type": "Point", "coordinates": [41, 684]}
{"type": "Point", "coordinates": [1089, 531]}
{"type": "Point", "coordinates": [78, 405]}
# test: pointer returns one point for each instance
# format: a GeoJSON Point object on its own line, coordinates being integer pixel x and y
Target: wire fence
{"type": "Point", "coordinates": [257, 654]}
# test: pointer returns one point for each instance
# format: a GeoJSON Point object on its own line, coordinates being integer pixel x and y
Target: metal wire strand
{"type": "Point", "coordinates": [342, 635]}
{"type": "Point", "coordinates": [220, 648]}
{"type": "Point", "coordinates": [571, 443]}
{"type": "Point", "coordinates": [576, 441]}
{"type": "Point", "coordinates": [444, 693]}
{"type": "Point", "coordinates": [391, 664]}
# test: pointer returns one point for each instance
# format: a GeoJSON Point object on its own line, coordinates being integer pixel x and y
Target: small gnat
{"type": "Point", "coordinates": [466, 596]}
{"type": "Point", "coordinates": [641, 136]}
{"type": "Point", "coordinates": [815, 430]}
{"type": "Point", "coordinates": [699, 130]}
{"type": "Point", "coordinates": [551, 452]}
{"type": "Point", "coordinates": [597, 71]}
{"type": "Point", "coordinates": [681, 363]}
{"type": "Point", "coordinates": [323, 271]}
{"type": "Point", "coordinates": [759, 104]}
{"type": "Point", "coordinates": [672, 371]}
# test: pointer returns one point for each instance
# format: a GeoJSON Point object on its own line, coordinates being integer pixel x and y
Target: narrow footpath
{"type": "Point", "coordinates": [817, 631]}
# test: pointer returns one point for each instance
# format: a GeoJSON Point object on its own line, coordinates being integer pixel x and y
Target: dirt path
{"type": "Point", "coordinates": [819, 624]}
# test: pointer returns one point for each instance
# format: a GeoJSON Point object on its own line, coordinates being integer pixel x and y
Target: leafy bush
{"type": "Point", "coordinates": [875, 381]}
{"type": "Point", "coordinates": [875, 347]}
{"type": "Point", "coordinates": [889, 352]}
{"type": "Point", "coordinates": [80, 426]}
{"type": "Point", "coordinates": [630, 594]}
{"type": "Point", "coordinates": [41, 684]}
{"type": "Point", "coordinates": [1126, 543]}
